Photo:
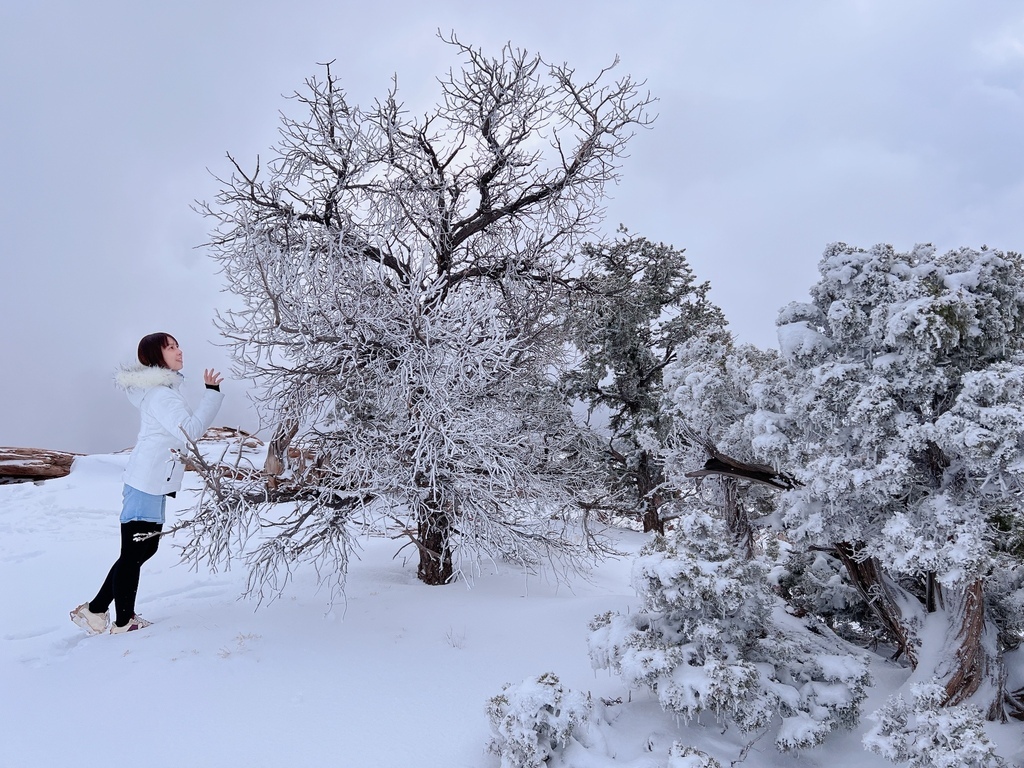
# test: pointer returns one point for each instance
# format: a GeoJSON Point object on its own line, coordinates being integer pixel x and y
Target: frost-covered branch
{"type": "Point", "coordinates": [401, 281]}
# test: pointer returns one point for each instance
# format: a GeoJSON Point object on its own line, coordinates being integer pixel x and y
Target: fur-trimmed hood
{"type": "Point", "coordinates": [145, 377]}
{"type": "Point", "coordinates": [138, 380]}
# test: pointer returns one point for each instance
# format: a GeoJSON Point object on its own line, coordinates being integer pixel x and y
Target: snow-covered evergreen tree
{"type": "Point", "coordinates": [931, 735]}
{"type": "Point", "coordinates": [400, 280]}
{"type": "Point", "coordinates": [535, 720]}
{"type": "Point", "coordinates": [904, 421]}
{"type": "Point", "coordinates": [684, 756]}
{"type": "Point", "coordinates": [732, 397]}
{"type": "Point", "coordinates": [736, 398]}
{"type": "Point", "coordinates": [711, 638]}
{"type": "Point", "coordinates": [636, 304]}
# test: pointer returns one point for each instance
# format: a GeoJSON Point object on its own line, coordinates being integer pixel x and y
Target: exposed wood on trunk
{"type": "Point", "coordinates": [1014, 701]}
{"type": "Point", "coordinates": [720, 464]}
{"type": "Point", "coordinates": [277, 451]}
{"type": "Point", "coordinates": [736, 517]}
{"type": "Point", "coordinates": [978, 660]}
{"type": "Point", "coordinates": [648, 479]}
{"type": "Point", "coordinates": [731, 471]}
{"type": "Point", "coordinates": [870, 581]}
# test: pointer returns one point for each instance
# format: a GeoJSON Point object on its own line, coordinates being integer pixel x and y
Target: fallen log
{"type": "Point", "coordinates": [19, 465]}
{"type": "Point", "coordinates": [25, 465]}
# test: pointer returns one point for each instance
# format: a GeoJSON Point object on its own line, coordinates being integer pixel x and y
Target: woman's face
{"type": "Point", "coordinates": [172, 355]}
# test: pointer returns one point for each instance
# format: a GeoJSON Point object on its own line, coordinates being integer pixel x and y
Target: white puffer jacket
{"type": "Point", "coordinates": [166, 419]}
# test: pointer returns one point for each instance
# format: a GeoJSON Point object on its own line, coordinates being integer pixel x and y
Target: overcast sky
{"type": "Point", "coordinates": [782, 126]}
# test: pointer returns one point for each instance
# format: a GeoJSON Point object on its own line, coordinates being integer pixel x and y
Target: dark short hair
{"type": "Point", "coordinates": [151, 348]}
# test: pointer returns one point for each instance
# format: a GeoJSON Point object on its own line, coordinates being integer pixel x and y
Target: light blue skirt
{"type": "Point", "coordinates": [142, 506]}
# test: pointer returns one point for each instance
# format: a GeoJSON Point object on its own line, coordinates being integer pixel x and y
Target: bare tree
{"type": "Point", "coordinates": [401, 280]}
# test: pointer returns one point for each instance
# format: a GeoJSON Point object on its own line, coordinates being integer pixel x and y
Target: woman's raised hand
{"type": "Point", "coordinates": [212, 377]}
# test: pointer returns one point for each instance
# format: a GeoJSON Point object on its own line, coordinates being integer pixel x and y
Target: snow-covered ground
{"type": "Point", "coordinates": [396, 674]}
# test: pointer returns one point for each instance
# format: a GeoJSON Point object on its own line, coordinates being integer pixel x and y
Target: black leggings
{"type": "Point", "coordinates": [122, 583]}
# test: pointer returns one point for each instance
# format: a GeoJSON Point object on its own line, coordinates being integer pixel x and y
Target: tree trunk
{"type": "Point", "coordinates": [652, 515]}
{"type": "Point", "coordinates": [277, 451]}
{"type": "Point", "coordinates": [975, 669]}
{"type": "Point", "coordinates": [736, 517]}
{"type": "Point", "coordinates": [968, 658]}
{"type": "Point", "coordinates": [434, 534]}
{"type": "Point", "coordinates": [648, 480]}
{"type": "Point", "coordinates": [888, 601]}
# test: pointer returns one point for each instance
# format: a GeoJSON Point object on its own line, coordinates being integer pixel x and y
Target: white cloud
{"type": "Point", "coordinates": [783, 126]}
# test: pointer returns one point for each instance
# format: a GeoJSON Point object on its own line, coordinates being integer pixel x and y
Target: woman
{"type": "Point", "coordinates": [153, 473]}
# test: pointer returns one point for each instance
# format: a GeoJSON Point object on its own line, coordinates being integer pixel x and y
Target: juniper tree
{"type": "Point", "coordinates": [905, 425]}
{"type": "Point", "coordinates": [709, 638]}
{"type": "Point", "coordinates": [724, 397]}
{"type": "Point", "coordinates": [637, 302]}
{"type": "Point", "coordinates": [896, 404]}
{"type": "Point", "coordinates": [400, 279]}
